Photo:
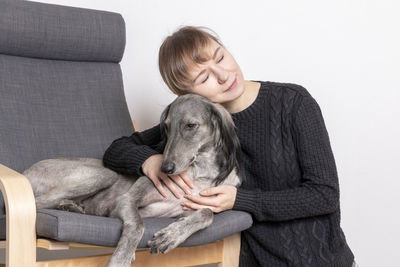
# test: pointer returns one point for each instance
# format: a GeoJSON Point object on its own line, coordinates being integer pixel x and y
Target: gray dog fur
{"type": "Point", "coordinates": [198, 136]}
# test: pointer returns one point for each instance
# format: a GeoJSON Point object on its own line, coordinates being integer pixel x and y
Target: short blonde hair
{"type": "Point", "coordinates": [180, 50]}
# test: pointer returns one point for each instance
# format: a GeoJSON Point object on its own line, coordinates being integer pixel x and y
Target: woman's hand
{"type": "Point", "coordinates": [224, 199]}
{"type": "Point", "coordinates": [152, 169]}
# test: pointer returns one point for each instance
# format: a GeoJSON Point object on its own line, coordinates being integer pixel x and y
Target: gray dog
{"type": "Point", "coordinates": [198, 137]}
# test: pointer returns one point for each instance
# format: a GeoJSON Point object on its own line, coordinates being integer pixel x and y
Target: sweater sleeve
{"type": "Point", "coordinates": [126, 154]}
{"type": "Point", "coordinates": [318, 192]}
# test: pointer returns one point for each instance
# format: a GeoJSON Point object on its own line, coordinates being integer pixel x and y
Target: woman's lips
{"type": "Point", "coordinates": [232, 85]}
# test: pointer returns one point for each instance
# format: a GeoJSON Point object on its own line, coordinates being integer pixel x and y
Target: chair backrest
{"type": "Point", "coordinates": [61, 90]}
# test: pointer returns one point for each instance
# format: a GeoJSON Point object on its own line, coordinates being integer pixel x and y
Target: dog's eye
{"type": "Point", "coordinates": [190, 126]}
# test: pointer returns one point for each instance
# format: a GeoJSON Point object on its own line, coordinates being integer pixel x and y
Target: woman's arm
{"type": "Point", "coordinates": [318, 193]}
{"type": "Point", "coordinates": [126, 154]}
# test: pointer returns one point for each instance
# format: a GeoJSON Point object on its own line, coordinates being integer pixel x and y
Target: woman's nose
{"type": "Point", "coordinates": [222, 75]}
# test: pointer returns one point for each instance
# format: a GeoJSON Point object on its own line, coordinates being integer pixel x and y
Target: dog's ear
{"type": "Point", "coordinates": [163, 128]}
{"type": "Point", "coordinates": [226, 142]}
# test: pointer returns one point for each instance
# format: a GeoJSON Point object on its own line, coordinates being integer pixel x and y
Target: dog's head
{"type": "Point", "coordinates": [191, 125]}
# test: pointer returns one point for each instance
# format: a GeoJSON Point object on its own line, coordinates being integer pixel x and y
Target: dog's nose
{"type": "Point", "coordinates": [168, 167]}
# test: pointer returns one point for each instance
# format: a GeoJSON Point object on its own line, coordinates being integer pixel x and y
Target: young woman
{"type": "Point", "coordinates": [291, 187]}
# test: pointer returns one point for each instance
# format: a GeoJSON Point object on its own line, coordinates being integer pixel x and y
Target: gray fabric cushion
{"type": "Point", "coordinates": [49, 31]}
{"type": "Point", "coordinates": [59, 108]}
{"type": "Point", "coordinates": [53, 108]}
{"type": "Point", "coordinates": [105, 231]}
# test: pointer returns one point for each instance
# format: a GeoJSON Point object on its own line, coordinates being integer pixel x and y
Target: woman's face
{"type": "Point", "coordinates": [219, 79]}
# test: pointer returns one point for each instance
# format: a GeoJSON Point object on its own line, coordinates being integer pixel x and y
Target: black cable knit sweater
{"type": "Point", "coordinates": [291, 187]}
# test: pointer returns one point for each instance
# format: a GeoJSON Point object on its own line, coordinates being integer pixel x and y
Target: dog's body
{"type": "Point", "coordinates": [209, 152]}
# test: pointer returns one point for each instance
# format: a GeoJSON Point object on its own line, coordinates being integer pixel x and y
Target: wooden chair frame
{"type": "Point", "coordinates": [21, 241]}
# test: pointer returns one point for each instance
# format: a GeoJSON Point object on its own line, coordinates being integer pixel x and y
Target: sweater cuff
{"type": "Point", "coordinates": [245, 200]}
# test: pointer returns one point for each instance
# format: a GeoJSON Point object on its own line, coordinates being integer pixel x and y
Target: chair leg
{"type": "Point", "coordinates": [231, 250]}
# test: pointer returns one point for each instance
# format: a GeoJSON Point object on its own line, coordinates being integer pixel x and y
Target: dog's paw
{"type": "Point", "coordinates": [165, 240]}
{"type": "Point", "coordinates": [121, 259]}
{"type": "Point", "coordinates": [70, 205]}
{"type": "Point", "coordinates": [118, 264]}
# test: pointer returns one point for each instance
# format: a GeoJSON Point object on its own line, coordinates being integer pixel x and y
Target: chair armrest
{"type": "Point", "coordinates": [21, 218]}
{"type": "Point", "coordinates": [135, 126]}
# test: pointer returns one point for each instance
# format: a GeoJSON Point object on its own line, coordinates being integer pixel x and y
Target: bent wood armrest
{"type": "Point", "coordinates": [21, 218]}
{"type": "Point", "coordinates": [135, 126]}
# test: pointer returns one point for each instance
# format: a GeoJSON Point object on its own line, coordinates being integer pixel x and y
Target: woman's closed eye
{"type": "Point", "coordinates": [217, 62]}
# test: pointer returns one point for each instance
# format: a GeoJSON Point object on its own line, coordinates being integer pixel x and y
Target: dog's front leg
{"type": "Point", "coordinates": [132, 232]}
{"type": "Point", "coordinates": [126, 209]}
{"type": "Point", "coordinates": [177, 232]}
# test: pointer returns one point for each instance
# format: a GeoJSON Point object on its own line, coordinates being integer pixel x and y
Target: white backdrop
{"type": "Point", "coordinates": [345, 52]}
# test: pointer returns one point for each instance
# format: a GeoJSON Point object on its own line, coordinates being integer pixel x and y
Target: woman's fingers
{"type": "Point", "coordinates": [207, 201]}
{"type": "Point", "coordinates": [181, 183]}
{"type": "Point", "coordinates": [187, 179]}
{"type": "Point", "coordinates": [170, 184]}
{"type": "Point", "coordinates": [194, 206]}
{"type": "Point", "coordinates": [159, 186]}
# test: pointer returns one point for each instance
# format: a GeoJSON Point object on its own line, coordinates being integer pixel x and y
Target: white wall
{"type": "Point", "coordinates": [345, 52]}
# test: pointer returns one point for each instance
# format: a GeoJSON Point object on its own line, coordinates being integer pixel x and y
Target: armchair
{"type": "Point", "coordinates": [61, 95]}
